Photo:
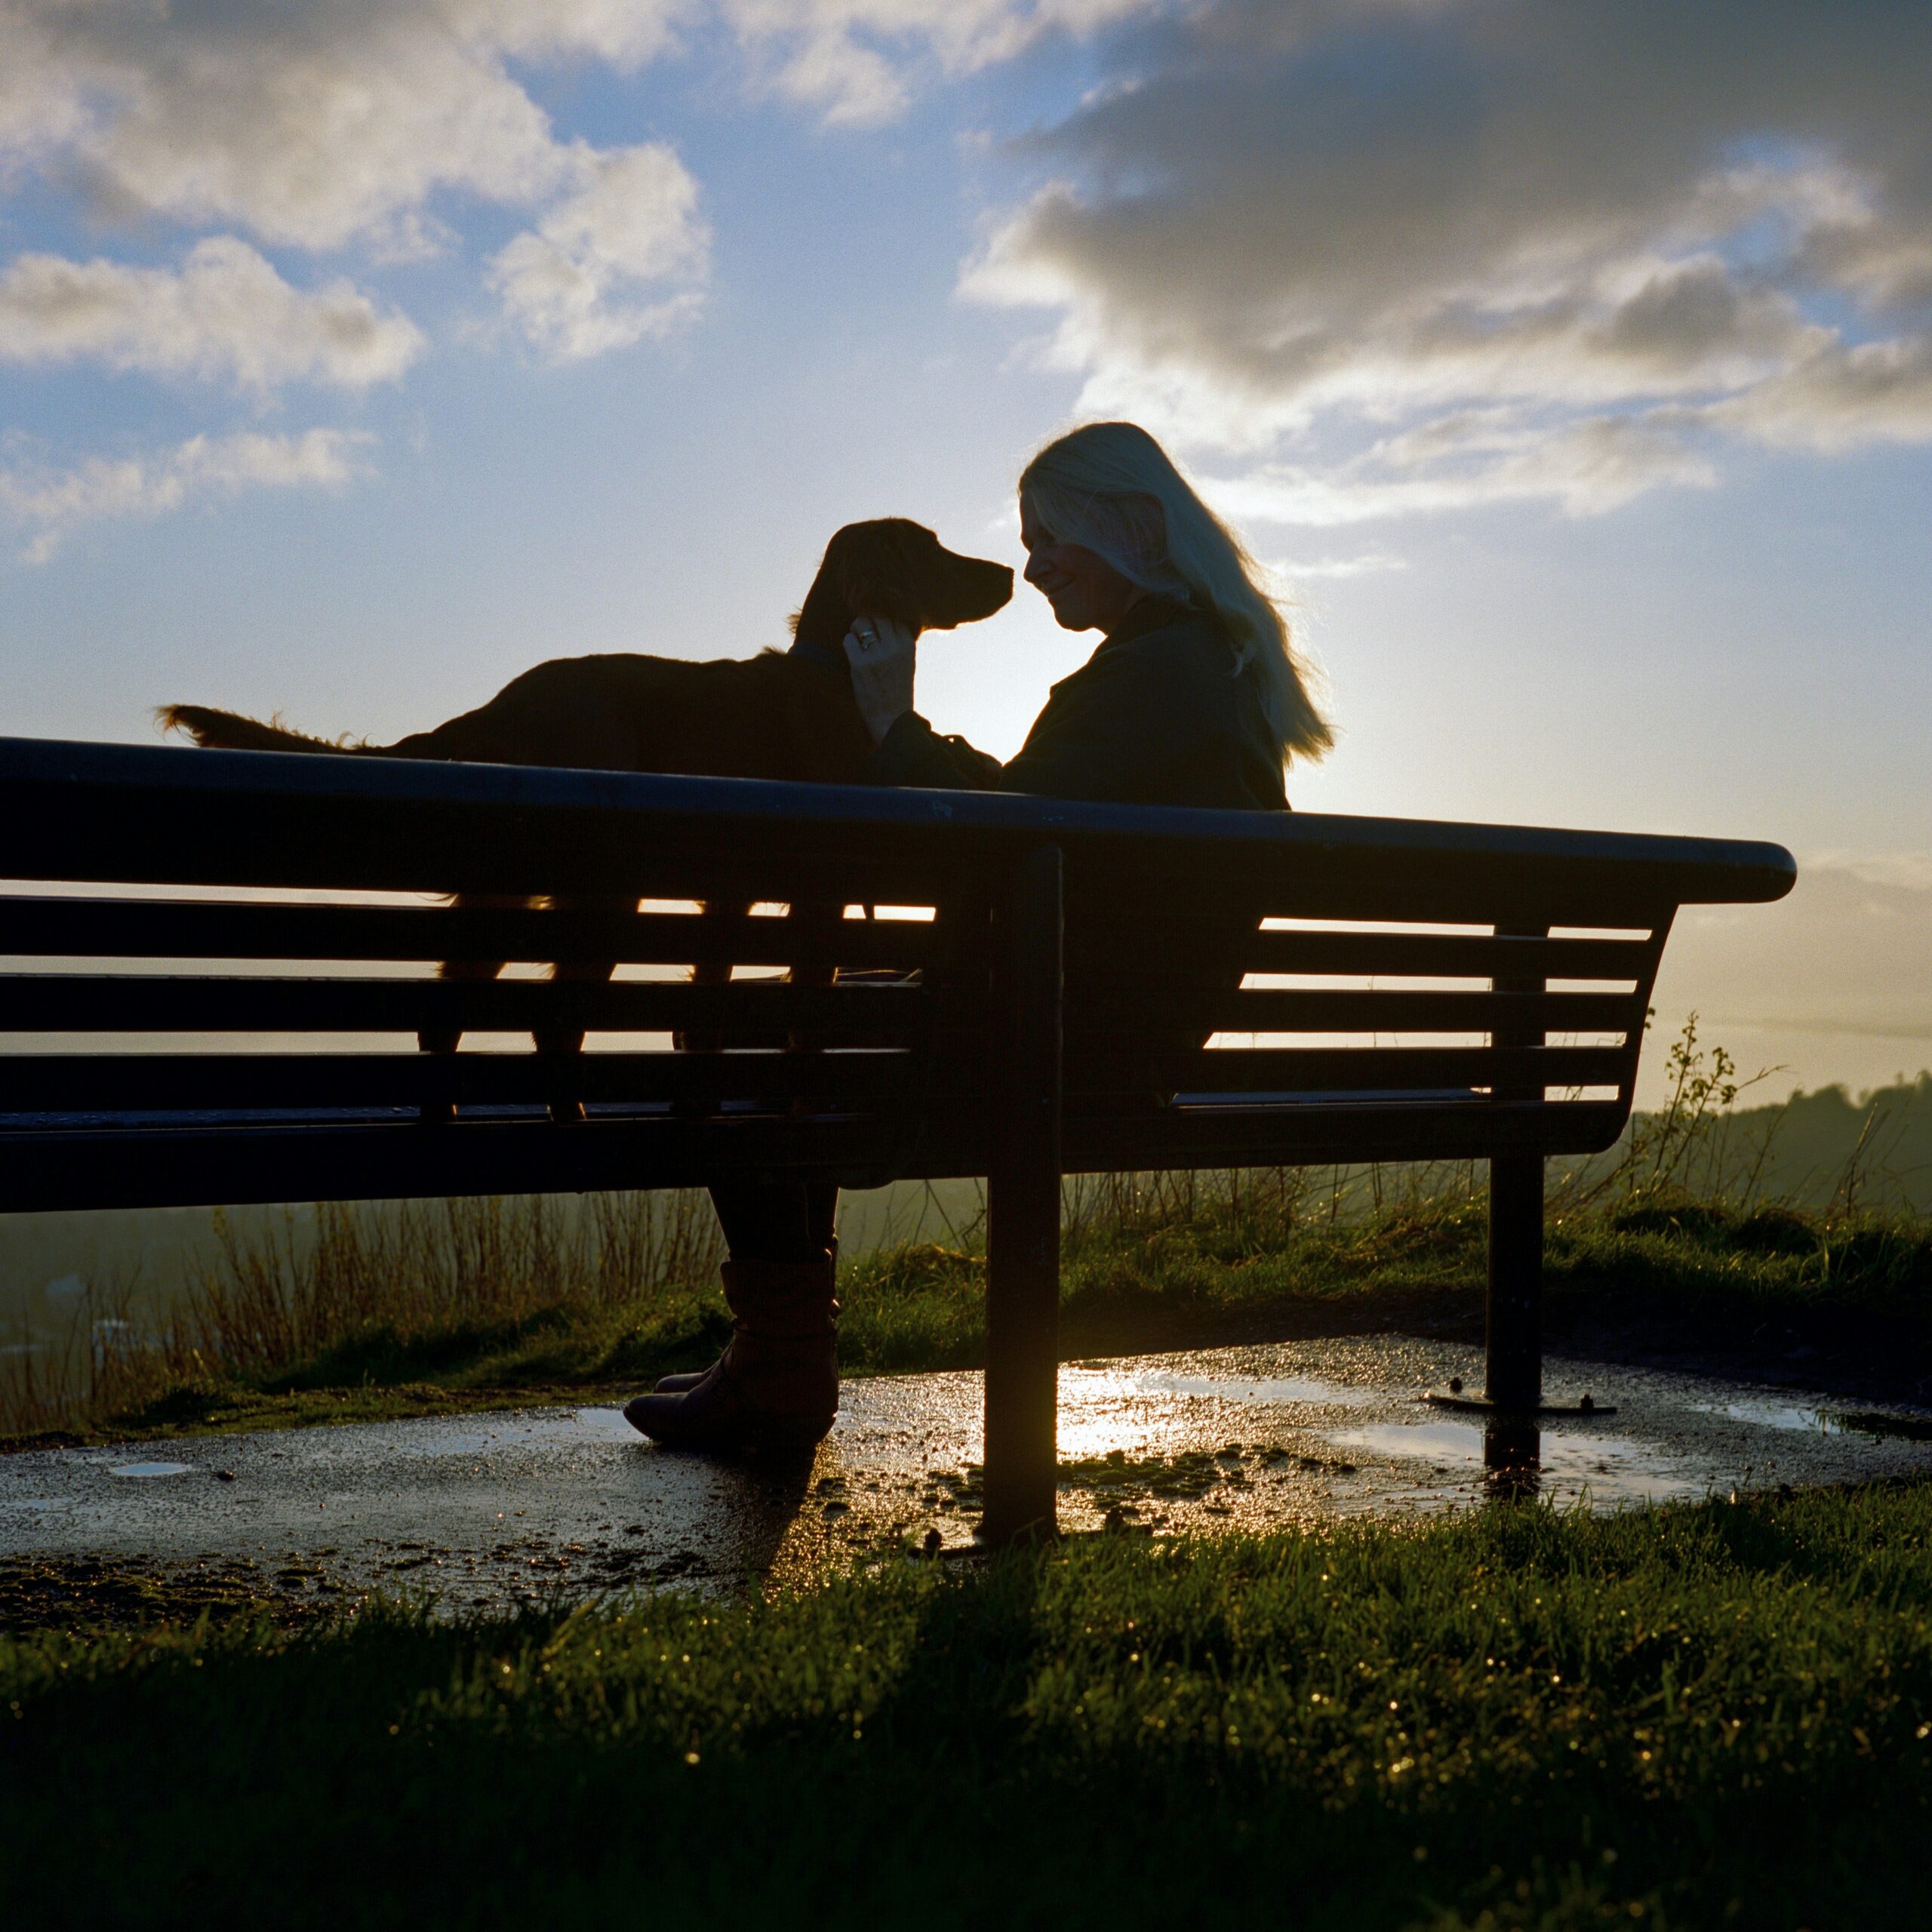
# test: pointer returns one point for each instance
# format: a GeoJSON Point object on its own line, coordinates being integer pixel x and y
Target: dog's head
{"type": "Point", "coordinates": [893, 567]}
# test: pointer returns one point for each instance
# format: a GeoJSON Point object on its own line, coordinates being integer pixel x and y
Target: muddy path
{"type": "Point", "coordinates": [487, 1511]}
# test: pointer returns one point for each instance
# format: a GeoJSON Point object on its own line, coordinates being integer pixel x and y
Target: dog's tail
{"type": "Point", "coordinates": [228, 731]}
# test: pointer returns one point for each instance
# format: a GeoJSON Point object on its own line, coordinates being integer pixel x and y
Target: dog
{"type": "Point", "coordinates": [787, 714]}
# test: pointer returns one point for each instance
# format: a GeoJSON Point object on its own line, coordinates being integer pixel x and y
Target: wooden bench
{"type": "Point", "coordinates": [1044, 976]}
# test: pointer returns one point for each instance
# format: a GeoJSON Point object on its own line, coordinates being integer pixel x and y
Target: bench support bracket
{"type": "Point", "coordinates": [1512, 1394]}
{"type": "Point", "coordinates": [1023, 1208]}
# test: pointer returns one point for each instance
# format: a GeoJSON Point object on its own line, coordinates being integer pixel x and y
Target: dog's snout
{"type": "Point", "coordinates": [980, 588]}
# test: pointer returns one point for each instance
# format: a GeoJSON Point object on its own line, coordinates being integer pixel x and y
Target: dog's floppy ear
{"type": "Point", "coordinates": [876, 572]}
{"type": "Point", "coordinates": [848, 570]}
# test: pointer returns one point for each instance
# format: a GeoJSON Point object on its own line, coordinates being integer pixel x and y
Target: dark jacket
{"type": "Point", "coordinates": [1158, 715]}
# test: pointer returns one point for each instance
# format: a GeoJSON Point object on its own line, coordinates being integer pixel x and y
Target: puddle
{"type": "Point", "coordinates": [1119, 1410]}
{"type": "Point", "coordinates": [1772, 1414]}
{"type": "Point", "coordinates": [1525, 1461]}
{"type": "Point", "coordinates": [531, 1505]}
{"type": "Point", "coordinates": [452, 1445]}
{"type": "Point", "coordinates": [1768, 1412]}
{"type": "Point", "coordinates": [1438, 1441]}
{"type": "Point", "coordinates": [603, 1425]}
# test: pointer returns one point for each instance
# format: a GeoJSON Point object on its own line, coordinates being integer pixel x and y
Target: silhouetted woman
{"type": "Point", "coordinates": [1195, 696]}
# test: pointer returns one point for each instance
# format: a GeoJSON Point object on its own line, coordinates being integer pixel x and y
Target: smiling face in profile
{"type": "Point", "coordinates": [1086, 592]}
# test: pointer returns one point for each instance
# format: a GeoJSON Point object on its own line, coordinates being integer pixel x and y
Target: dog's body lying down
{"type": "Point", "coordinates": [780, 714]}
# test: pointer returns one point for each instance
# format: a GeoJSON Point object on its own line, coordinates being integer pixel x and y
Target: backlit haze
{"type": "Point", "coordinates": [1572, 363]}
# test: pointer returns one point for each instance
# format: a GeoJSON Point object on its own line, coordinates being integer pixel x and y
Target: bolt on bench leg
{"type": "Point", "coordinates": [1023, 1209]}
{"type": "Point", "coordinates": [1515, 1281]}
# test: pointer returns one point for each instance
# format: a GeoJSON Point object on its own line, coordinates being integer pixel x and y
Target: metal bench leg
{"type": "Point", "coordinates": [1515, 1281]}
{"type": "Point", "coordinates": [1023, 1209]}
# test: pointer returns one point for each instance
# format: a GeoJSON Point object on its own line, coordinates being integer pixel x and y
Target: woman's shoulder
{"type": "Point", "coordinates": [1162, 633]}
{"type": "Point", "coordinates": [1186, 656]}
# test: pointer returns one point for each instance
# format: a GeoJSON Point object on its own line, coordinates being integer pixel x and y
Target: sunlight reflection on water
{"type": "Point", "coordinates": [1153, 1411]}
{"type": "Point", "coordinates": [1609, 1467]}
{"type": "Point", "coordinates": [1775, 1415]}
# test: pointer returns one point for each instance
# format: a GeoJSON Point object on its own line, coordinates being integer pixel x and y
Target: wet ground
{"type": "Point", "coordinates": [489, 1510]}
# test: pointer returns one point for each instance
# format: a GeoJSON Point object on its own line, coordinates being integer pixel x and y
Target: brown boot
{"type": "Point", "coordinates": [776, 1384]}
{"type": "Point", "coordinates": [686, 1380]}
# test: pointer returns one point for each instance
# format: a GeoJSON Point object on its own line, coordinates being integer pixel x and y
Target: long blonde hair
{"type": "Point", "coordinates": [1111, 488]}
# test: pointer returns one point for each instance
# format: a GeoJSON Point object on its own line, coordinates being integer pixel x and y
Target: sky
{"type": "Point", "coordinates": [1570, 362]}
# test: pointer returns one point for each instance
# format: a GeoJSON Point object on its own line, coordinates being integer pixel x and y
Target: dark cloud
{"type": "Point", "coordinates": [1702, 218]}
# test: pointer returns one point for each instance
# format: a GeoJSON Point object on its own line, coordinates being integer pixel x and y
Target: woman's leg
{"type": "Point", "coordinates": [776, 1384]}
{"type": "Point", "coordinates": [783, 1221]}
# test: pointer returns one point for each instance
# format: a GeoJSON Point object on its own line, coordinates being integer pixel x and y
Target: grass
{"type": "Point", "coordinates": [1152, 1269]}
{"type": "Point", "coordinates": [1696, 1717]}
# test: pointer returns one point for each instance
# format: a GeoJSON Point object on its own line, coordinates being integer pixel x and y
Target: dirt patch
{"type": "Point", "coordinates": [82, 1593]}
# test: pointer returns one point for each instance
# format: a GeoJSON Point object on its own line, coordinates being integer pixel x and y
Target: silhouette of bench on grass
{"type": "Point", "coordinates": [1053, 988]}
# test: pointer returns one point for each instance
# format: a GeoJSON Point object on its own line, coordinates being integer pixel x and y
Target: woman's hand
{"type": "Point", "coordinates": [883, 654]}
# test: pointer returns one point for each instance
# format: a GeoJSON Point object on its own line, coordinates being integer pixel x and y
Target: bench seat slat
{"type": "Point", "coordinates": [188, 1165]}
{"type": "Point", "coordinates": [36, 1083]}
{"type": "Point", "coordinates": [885, 1014]}
{"type": "Point", "coordinates": [1348, 1069]}
{"type": "Point", "coordinates": [185, 1165]}
{"type": "Point", "coordinates": [1340, 1135]}
{"type": "Point", "coordinates": [1268, 1010]}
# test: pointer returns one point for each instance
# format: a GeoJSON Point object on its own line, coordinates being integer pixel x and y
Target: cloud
{"type": "Point", "coordinates": [226, 314]}
{"type": "Point", "coordinates": [335, 122]}
{"type": "Point", "coordinates": [1366, 563]}
{"type": "Point", "coordinates": [323, 126]}
{"type": "Point", "coordinates": [575, 285]}
{"type": "Point", "coordinates": [1844, 398]}
{"type": "Point", "coordinates": [1463, 462]}
{"type": "Point", "coordinates": [53, 504]}
{"type": "Point", "coordinates": [1902, 872]}
{"type": "Point", "coordinates": [858, 62]}
{"type": "Point", "coordinates": [313, 125]}
{"type": "Point", "coordinates": [1404, 256]}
